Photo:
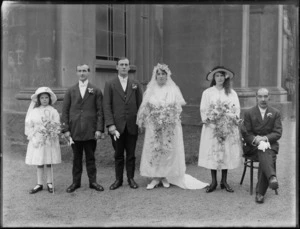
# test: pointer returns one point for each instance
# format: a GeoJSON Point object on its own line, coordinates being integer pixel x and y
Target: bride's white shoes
{"type": "Point", "coordinates": [154, 183]}
{"type": "Point", "coordinates": [165, 183]}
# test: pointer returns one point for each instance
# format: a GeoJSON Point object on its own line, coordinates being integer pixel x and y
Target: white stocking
{"type": "Point", "coordinates": [40, 174]}
{"type": "Point", "coordinates": [49, 175]}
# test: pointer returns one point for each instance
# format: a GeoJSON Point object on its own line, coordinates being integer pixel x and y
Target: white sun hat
{"type": "Point", "coordinates": [44, 90]}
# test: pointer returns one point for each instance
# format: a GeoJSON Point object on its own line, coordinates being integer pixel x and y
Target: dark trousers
{"type": "Point", "coordinates": [266, 169]}
{"type": "Point", "coordinates": [89, 148]}
{"type": "Point", "coordinates": [126, 142]}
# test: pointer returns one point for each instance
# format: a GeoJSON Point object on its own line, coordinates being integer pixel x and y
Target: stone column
{"type": "Point", "coordinates": [280, 44]}
{"type": "Point", "coordinates": [76, 42]}
{"type": "Point", "coordinates": [245, 47]}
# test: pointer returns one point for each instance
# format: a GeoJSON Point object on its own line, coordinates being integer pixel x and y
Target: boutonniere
{"type": "Point", "coordinates": [269, 115]}
{"type": "Point", "coordinates": [134, 86]}
{"type": "Point", "coordinates": [91, 90]}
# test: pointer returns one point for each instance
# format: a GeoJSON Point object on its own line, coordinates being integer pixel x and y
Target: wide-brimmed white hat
{"type": "Point", "coordinates": [44, 90]}
{"type": "Point", "coordinates": [229, 73]}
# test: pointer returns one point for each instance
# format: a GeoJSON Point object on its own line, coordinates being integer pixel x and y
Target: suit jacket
{"type": "Point", "coordinates": [120, 108]}
{"type": "Point", "coordinates": [270, 127]}
{"type": "Point", "coordinates": [83, 116]}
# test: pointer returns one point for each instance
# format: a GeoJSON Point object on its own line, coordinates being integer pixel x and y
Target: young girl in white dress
{"type": "Point", "coordinates": [163, 157]}
{"type": "Point", "coordinates": [42, 126]}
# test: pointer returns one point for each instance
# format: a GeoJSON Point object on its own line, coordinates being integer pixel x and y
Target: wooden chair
{"type": "Point", "coordinates": [249, 162]}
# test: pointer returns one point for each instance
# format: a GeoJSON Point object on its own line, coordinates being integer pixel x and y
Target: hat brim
{"type": "Point", "coordinates": [210, 75]}
{"type": "Point", "coordinates": [52, 95]}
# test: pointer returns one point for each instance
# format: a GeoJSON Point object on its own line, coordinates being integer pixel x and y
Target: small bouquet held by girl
{"type": "Point", "coordinates": [42, 128]}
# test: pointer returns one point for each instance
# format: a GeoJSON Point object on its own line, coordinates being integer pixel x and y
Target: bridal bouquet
{"type": "Point", "coordinates": [45, 131]}
{"type": "Point", "coordinates": [163, 118]}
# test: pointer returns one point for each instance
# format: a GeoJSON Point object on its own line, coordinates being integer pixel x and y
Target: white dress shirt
{"type": "Point", "coordinates": [262, 112]}
{"type": "Point", "coordinates": [82, 87]}
{"type": "Point", "coordinates": [123, 82]}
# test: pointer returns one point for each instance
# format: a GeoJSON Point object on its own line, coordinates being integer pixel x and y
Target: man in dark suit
{"type": "Point", "coordinates": [83, 121]}
{"type": "Point", "coordinates": [122, 98]}
{"type": "Point", "coordinates": [263, 130]}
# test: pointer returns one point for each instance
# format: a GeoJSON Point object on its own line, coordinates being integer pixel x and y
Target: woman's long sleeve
{"type": "Point", "coordinates": [236, 102]}
{"type": "Point", "coordinates": [203, 106]}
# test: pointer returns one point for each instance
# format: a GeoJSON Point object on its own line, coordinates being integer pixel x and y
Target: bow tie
{"type": "Point", "coordinates": [82, 85]}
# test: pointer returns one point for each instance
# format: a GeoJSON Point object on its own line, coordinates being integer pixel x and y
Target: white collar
{"type": "Point", "coordinates": [83, 84]}
{"type": "Point", "coordinates": [44, 107]}
{"type": "Point", "coordinates": [218, 88]}
{"type": "Point", "coordinates": [123, 78]}
{"type": "Point", "coordinates": [262, 110]}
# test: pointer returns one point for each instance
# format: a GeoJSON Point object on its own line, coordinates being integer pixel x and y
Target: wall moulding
{"type": "Point", "coordinates": [25, 94]}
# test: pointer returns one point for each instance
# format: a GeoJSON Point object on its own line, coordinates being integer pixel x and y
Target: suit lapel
{"type": "Point", "coordinates": [119, 89]}
{"type": "Point", "coordinates": [257, 113]}
{"type": "Point", "coordinates": [86, 94]}
{"type": "Point", "coordinates": [76, 88]}
{"type": "Point", "coordinates": [265, 115]}
{"type": "Point", "coordinates": [266, 118]}
{"type": "Point", "coordinates": [129, 90]}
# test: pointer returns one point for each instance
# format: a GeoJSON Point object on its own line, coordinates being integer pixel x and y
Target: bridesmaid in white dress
{"type": "Point", "coordinates": [213, 154]}
{"type": "Point", "coordinates": [163, 157]}
{"type": "Point", "coordinates": [43, 146]}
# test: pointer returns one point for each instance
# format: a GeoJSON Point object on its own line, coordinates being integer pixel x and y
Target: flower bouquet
{"type": "Point", "coordinates": [163, 119]}
{"type": "Point", "coordinates": [44, 132]}
{"type": "Point", "coordinates": [222, 117]}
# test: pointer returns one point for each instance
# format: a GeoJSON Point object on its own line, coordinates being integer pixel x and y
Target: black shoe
{"type": "Point", "coordinates": [36, 189]}
{"type": "Point", "coordinates": [116, 185]}
{"type": "Point", "coordinates": [132, 183]}
{"type": "Point", "coordinates": [273, 183]}
{"type": "Point", "coordinates": [259, 198]}
{"type": "Point", "coordinates": [211, 187]}
{"type": "Point", "coordinates": [96, 186]}
{"type": "Point", "coordinates": [50, 189]}
{"type": "Point", "coordinates": [227, 187]}
{"type": "Point", "coordinates": [72, 187]}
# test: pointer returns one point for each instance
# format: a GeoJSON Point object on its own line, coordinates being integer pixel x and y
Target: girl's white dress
{"type": "Point", "coordinates": [170, 165]}
{"type": "Point", "coordinates": [232, 155]}
{"type": "Point", "coordinates": [39, 152]}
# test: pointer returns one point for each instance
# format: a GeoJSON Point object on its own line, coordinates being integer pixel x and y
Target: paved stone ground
{"type": "Point", "coordinates": [155, 208]}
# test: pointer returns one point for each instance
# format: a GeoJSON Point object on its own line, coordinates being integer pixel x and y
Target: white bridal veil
{"type": "Point", "coordinates": [170, 92]}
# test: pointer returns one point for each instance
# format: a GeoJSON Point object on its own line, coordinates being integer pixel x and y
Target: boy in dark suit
{"type": "Point", "coordinates": [83, 121]}
{"type": "Point", "coordinates": [122, 98]}
{"type": "Point", "coordinates": [263, 130]}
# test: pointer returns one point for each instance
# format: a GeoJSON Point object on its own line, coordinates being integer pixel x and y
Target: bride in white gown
{"type": "Point", "coordinates": [163, 157]}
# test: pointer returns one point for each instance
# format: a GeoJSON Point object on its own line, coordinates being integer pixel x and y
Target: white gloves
{"type": "Point", "coordinates": [116, 135]}
{"type": "Point", "coordinates": [70, 142]}
{"type": "Point", "coordinates": [264, 145]}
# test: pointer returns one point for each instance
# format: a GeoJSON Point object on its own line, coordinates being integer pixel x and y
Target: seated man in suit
{"type": "Point", "coordinates": [263, 129]}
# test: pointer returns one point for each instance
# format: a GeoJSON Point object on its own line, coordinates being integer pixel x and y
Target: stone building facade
{"type": "Point", "coordinates": [43, 43]}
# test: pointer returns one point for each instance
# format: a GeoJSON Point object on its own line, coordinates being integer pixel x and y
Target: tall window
{"type": "Point", "coordinates": [110, 31]}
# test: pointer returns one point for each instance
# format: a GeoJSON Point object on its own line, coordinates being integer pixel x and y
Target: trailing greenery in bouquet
{"type": "Point", "coordinates": [222, 116]}
{"type": "Point", "coordinates": [163, 118]}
